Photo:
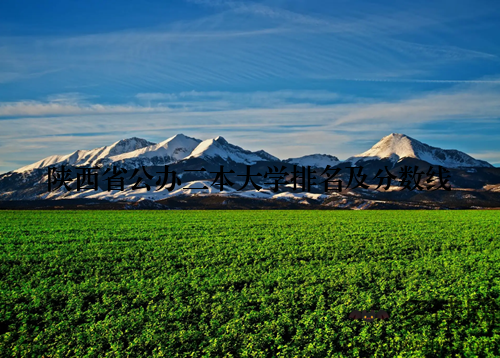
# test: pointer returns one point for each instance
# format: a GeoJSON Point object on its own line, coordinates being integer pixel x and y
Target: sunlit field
{"type": "Point", "coordinates": [249, 283]}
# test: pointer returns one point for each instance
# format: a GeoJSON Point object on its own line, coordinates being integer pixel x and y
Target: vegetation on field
{"type": "Point", "coordinates": [249, 283]}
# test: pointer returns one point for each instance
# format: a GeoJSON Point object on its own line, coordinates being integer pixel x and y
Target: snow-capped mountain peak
{"type": "Point", "coordinates": [314, 160]}
{"type": "Point", "coordinates": [219, 147]}
{"type": "Point", "coordinates": [396, 146]}
{"type": "Point", "coordinates": [170, 150]}
{"type": "Point", "coordinates": [120, 147]}
{"type": "Point", "coordinates": [219, 139]}
{"type": "Point", "coordinates": [89, 157]}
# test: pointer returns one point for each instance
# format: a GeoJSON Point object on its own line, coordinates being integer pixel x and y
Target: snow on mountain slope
{"type": "Point", "coordinates": [170, 150]}
{"type": "Point", "coordinates": [129, 194]}
{"type": "Point", "coordinates": [314, 160]}
{"type": "Point", "coordinates": [89, 157]}
{"type": "Point", "coordinates": [220, 148]}
{"type": "Point", "coordinates": [396, 146]}
{"type": "Point", "coordinates": [190, 188]}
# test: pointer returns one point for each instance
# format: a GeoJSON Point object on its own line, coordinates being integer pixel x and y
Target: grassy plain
{"type": "Point", "coordinates": [249, 283]}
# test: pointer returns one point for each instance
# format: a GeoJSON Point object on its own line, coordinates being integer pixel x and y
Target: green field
{"type": "Point", "coordinates": [249, 283]}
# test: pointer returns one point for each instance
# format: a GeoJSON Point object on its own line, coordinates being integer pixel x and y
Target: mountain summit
{"type": "Point", "coordinates": [396, 146]}
{"type": "Point", "coordinates": [220, 148]}
{"type": "Point", "coordinates": [89, 157]}
{"type": "Point", "coordinates": [170, 150]}
{"type": "Point", "coordinates": [314, 160]}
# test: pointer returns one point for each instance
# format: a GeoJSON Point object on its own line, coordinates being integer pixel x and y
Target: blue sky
{"type": "Point", "coordinates": [292, 77]}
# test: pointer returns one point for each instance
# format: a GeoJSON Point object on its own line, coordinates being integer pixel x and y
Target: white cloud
{"type": "Point", "coordinates": [490, 156]}
{"type": "Point", "coordinates": [241, 99]}
{"type": "Point", "coordinates": [59, 108]}
{"type": "Point", "coordinates": [472, 102]}
{"type": "Point", "coordinates": [464, 102]}
{"type": "Point", "coordinates": [16, 74]}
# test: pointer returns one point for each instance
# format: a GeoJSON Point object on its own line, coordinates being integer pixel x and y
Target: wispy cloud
{"type": "Point", "coordinates": [492, 157]}
{"type": "Point", "coordinates": [473, 102]}
{"type": "Point", "coordinates": [56, 108]}
{"type": "Point", "coordinates": [266, 11]}
{"type": "Point", "coordinates": [243, 99]}
{"type": "Point", "coordinates": [6, 77]}
{"type": "Point", "coordinates": [73, 104]}
{"type": "Point", "coordinates": [465, 101]}
{"type": "Point", "coordinates": [247, 43]}
{"type": "Point", "coordinates": [403, 80]}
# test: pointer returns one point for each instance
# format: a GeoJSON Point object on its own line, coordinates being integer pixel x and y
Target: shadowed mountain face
{"type": "Point", "coordinates": [411, 164]}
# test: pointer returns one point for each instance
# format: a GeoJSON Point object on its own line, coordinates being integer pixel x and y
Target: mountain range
{"type": "Point", "coordinates": [394, 151]}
